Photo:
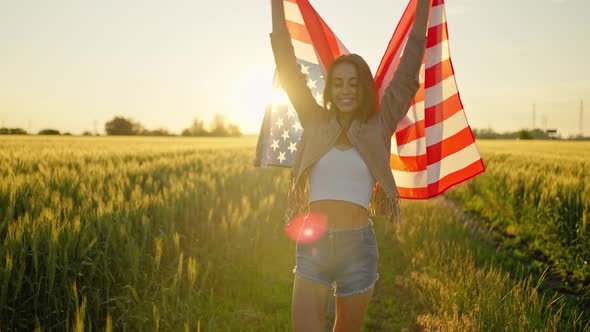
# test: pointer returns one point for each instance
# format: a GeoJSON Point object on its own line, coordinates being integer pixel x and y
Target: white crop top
{"type": "Point", "coordinates": [341, 175]}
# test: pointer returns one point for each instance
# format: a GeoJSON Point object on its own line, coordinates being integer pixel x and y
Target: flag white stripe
{"type": "Point", "coordinates": [433, 96]}
{"type": "Point", "coordinates": [304, 51]}
{"type": "Point", "coordinates": [292, 13]}
{"type": "Point", "coordinates": [445, 129]}
{"type": "Point", "coordinates": [440, 92]}
{"type": "Point", "coordinates": [438, 170]}
{"type": "Point", "coordinates": [422, 74]}
{"type": "Point", "coordinates": [453, 163]}
{"type": "Point", "coordinates": [437, 16]}
{"type": "Point", "coordinates": [410, 179]}
{"type": "Point", "coordinates": [437, 53]}
{"type": "Point", "coordinates": [434, 134]}
{"type": "Point", "coordinates": [415, 114]}
{"type": "Point", "coordinates": [414, 148]}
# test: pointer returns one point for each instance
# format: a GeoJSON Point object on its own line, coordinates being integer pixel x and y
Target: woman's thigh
{"type": "Point", "coordinates": [350, 311]}
{"type": "Point", "coordinates": [310, 302]}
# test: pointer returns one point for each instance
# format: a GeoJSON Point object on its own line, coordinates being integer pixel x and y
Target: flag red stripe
{"type": "Point", "coordinates": [434, 153]}
{"type": "Point", "coordinates": [443, 184]}
{"type": "Point", "coordinates": [448, 146]}
{"type": "Point", "coordinates": [432, 77]}
{"type": "Point", "coordinates": [324, 42]}
{"type": "Point", "coordinates": [442, 111]}
{"type": "Point", "coordinates": [437, 2]}
{"type": "Point", "coordinates": [298, 32]}
{"type": "Point", "coordinates": [456, 177]}
{"type": "Point", "coordinates": [437, 73]}
{"type": "Point", "coordinates": [408, 164]}
{"type": "Point", "coordinates": [416, 193]}
{"type": "Point", "coordinates": [432, 116]}
{"type": "Point", "coordinates": [436, 35]}
{"type": "Point", "coordinates": [332, 40]}
{"type": "Point", "coordinates": [419, 94]}
{"type": "Point", "coordinates": [410, 133]}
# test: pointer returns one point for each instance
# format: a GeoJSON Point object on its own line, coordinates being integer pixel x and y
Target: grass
{"type": "Point", "coordinates": [535, 199]}
{"type": "Point", "coordinates": [185, 234]}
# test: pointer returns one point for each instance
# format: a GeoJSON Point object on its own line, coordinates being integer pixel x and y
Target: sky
{"type": "Point", "coordinates": [74, 65]}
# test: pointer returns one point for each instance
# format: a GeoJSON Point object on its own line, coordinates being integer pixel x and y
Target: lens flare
{"type": "Point", "coordinates": [306, 228]}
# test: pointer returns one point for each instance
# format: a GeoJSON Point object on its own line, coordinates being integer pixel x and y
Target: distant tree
{"type": "Point", "coordinates": [197, 129]}
{"type": "Point", "coordinates": [524, 134]}
{"type": "Point", "coordinates": [138, 128]}
{"type": "Point", "coordinates": [521, 134]}
{"type": "Point", "coordinates": [218, 126]}
{"type": "Point", "coordinates": [12, 131]}
{"type": "Point", "coordinates": [122, 126]}
{"type": "Point", "coordinates": [157, 132]}
{"type": "Point", "coordinates": [234, 130]}
{"type": "Point", "coordinates": [67, 134]}
{"type": "Point", "coordinates": [49, 132]}
{"type": "Point", "coordinates": [485, 133]}
{"type": "Point", "coordinates": [87, 133]}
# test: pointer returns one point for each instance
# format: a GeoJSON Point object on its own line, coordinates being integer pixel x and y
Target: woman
{"type": "Point", "coordinates": [343, 153]}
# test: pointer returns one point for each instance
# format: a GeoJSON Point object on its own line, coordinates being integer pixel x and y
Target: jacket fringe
{"type": "Point", "coordinates": [385, 205]}
{"type": "Point", "coordinates": [381, 204]}
{"type": "Point", "coordinates": [298, 198]}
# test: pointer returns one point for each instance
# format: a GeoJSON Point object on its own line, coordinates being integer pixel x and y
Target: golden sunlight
{"type": "Point", "coordinates": [255, 92]}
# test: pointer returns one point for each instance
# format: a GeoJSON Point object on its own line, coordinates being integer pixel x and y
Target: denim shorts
{"type": "Point", "coordinates": [345, 259]}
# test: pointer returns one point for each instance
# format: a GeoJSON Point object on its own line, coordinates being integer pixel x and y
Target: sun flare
{"type": "Point", "coordinates": [255, 93]}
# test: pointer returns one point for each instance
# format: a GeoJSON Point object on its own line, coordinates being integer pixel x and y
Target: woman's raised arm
{"type": "Point", "coordinates": [293, 81]}
{"type": "Point", "coordinates": [405, 82]}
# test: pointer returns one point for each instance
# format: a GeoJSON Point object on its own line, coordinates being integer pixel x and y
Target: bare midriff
{"type": "Point", "coordinates": [341, 214]}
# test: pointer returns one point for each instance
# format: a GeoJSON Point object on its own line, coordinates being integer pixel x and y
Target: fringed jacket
{"type": "Point", "coordinates": [371, 139]}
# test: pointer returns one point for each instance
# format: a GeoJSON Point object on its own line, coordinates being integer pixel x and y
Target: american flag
{"type": "Point", "coordinates": [315, 47]}
{"type": "Point", "coordinates": [433, 147]}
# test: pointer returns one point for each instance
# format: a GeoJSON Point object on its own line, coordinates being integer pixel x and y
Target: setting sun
{"type": "Point", "coordinates": [254, 92]}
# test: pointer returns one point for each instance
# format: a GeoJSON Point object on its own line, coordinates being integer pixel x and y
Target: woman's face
{"type": "Point", "coordinates": [345, 87]}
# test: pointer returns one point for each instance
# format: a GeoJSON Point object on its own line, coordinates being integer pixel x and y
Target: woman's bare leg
{"type": "Point", "coordinates": [350, 311]}
{"type": "Point", "coordinates": [310, 302]}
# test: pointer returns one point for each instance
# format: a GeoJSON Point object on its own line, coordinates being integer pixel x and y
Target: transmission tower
{"type": "Point", "coordinates": [582, 117]}
{"type": "Point", "coordinates": [534, 116]}
{"type": "Point", "coordinates": [544, 121]}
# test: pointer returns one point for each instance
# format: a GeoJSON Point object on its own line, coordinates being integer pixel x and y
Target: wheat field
{"type": "Point", "coordinates": [184, 234]}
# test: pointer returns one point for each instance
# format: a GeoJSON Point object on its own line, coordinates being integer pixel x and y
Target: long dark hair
{"type": "Point", "coordinates": [368, 88]}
